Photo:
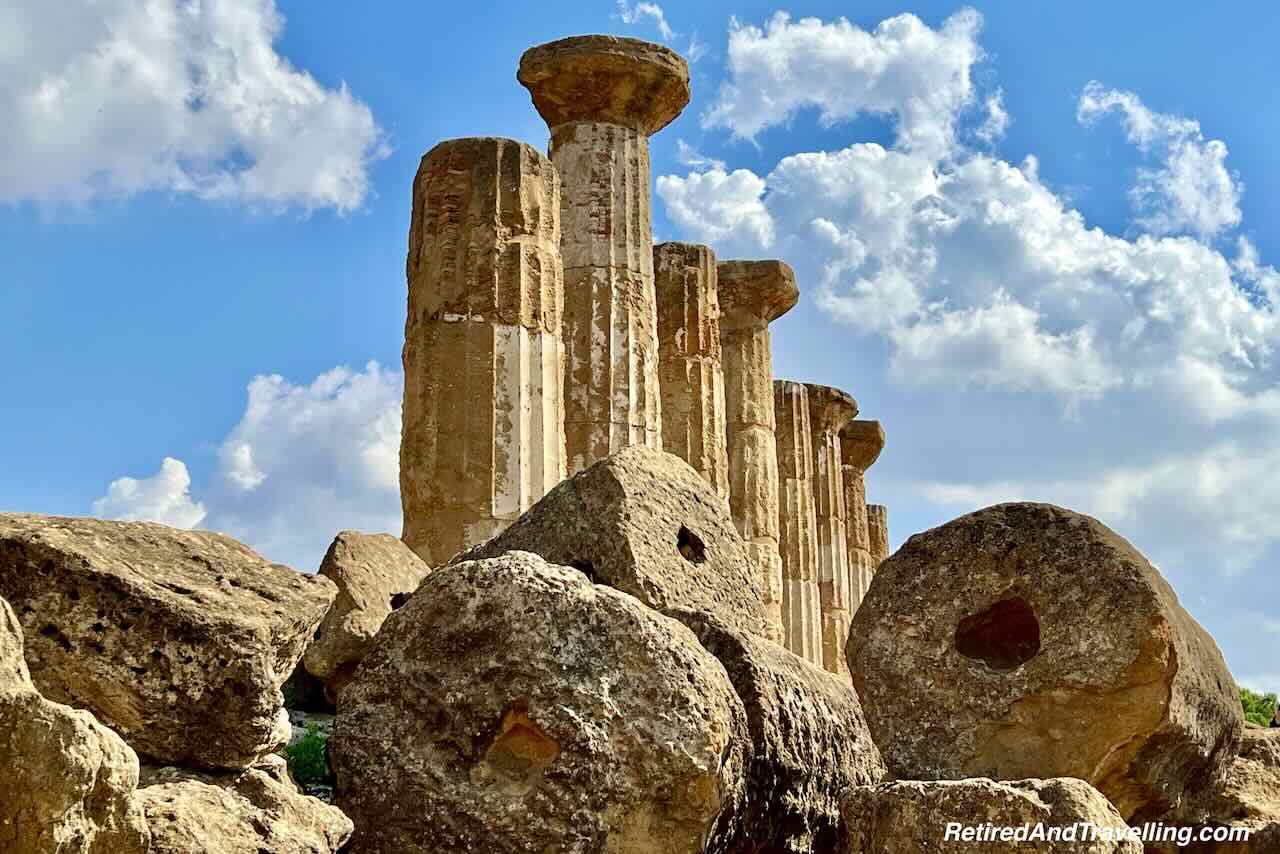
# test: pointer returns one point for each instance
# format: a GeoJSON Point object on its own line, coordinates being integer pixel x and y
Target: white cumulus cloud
{"type": "Point", "coordinates": [1192, 190]}
{"type": "Point", "coordinates": [304, 462]}
{"type": "Point", "coordinates": [117, 97]}
{"type": "Point", "coordinates": [632, 13]}
{"type": "Point", "coordinates": [165, 497]}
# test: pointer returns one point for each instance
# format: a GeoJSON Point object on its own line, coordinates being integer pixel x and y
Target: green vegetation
{"type": "Point", "coordinates": [1258, 708]}
{"type": "Point", "coordinates": [309, 758]}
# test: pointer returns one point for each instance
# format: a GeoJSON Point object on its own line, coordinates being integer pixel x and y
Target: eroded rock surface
{"type": "Point", "coordinates": [514, 706]}
{"type": "Point", "coordinates": [1025, 640]}
{"type": "Point", "coordinates": [177, 640]}
{"type": "Point", "coordinates": [911, 817]}
{"type": "Point", "coordinates": [809, 743]}
{"type": "Point", "coordinates": [252, 811]}
{"type": "Point", "coordinates": [66, 781]}
{"type": "Point", "coordinates": [647, 524]}
{"type": "Point", "coordinates": [375, 574]}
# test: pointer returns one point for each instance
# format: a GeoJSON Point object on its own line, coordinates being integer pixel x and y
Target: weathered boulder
{"type": "Point", "coordinates": [375, 574]}
{"type": "Point", "coordinates": [177, 640]}
{"type": "Point", "coordinates": [910, 817]}
{"type": "Point", "coordinates": [1025, 640]}
{"type": "Point", "coordinates": [809, 743]}
{"type": "Point", "coordinates": [250, 811]}
{"type": "Point", "coordinates": [514, 706]}
{"type": "Point", "coordinates": [66, 782]}
{"type": "Point", "coordinates": [646, 523]}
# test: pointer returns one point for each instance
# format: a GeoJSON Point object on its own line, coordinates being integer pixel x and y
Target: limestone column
{"type": "Point", "coordinates": [798, 537]}
{"type": "Point", "coordinates": [602, 97]}
{"type": "Point", "coordinates": [690, 376]}
{"type": "Point", "coordinates": [483, 429]}
{"type": "Point", "coordinates": [860, 445]}
{"type": "Point", "coordinates": [752, 294]}
{"type": "Point", "coordinates": [829, 410]}
{"type": "Point", "coordinates": [878, 524]}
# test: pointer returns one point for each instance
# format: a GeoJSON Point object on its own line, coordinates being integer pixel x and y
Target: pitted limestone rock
{"type": "Point", "coordinates": [514, 706]}
{"type": "Point", "coordinates": [1055, 649]}
{"type": "Point", "coordinates": [177, 640]}
{"type": "Point", "coordinates": [68, 782]}
{"type": "Point", "coordinates": [809, 743]}
{"type": "Point", "coordinates": [621, 81]}
{"type": "Point", "coordinates": [248, 811]}
{"type": "Point", "coordinates": [909, 817]}
{"type": "Point", "coordinates": [375, 574]}
{"type": "Point", "coordinates": [690, 375]}
{"type": "Point", "coordinates": [483, 432]}
{"type": "Point", "coordinates": [646, 523]}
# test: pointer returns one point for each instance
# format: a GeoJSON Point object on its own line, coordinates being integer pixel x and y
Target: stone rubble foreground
{"type": "Point", "coordinates": [583, 644]}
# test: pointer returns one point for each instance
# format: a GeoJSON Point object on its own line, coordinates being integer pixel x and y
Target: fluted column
{"type": "Point", "coordinates": [798, 540]}
{"type": "Point", "coordinates": [752, 294]}
{"type": "Point", "coordinates": [602, 97]}
{"type": "Point", "coordinates": [483, 426]}
{"type": "Point", "coordinates": [860, 445]}
{"type": "Point", "coordinates": [878, 523]}
{"type": "Point", "coordinates": [690, 375]}
{"type": "Point", "coordinates": [829, 410]}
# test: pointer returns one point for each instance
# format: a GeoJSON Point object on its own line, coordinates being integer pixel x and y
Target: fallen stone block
{"type": "Point", "coordinates": [1025, 640]}
{"type": "Point", "coordinates": [66, 782]}
{"type": "Point", "coordinates": [646, 523]}
{"type": "Point", "coordinates": [514, 706]}
{"type": "Point", "coordinates": [375, 574]}
{"type": "Point", "coordinates": [177, 640]}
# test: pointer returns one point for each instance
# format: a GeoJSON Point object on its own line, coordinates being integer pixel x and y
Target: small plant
{"type": "Point", "coordinates": [1259, 708]}
{"type": "Point", "coordinates": [309, 758]}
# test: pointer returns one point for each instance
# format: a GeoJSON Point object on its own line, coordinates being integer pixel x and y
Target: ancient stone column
{"type": "Point", "coordinates": [752, 294]}
{"type": "Point", "coordinates": [689, 372]}
{"type": "Point", "coordinates": [483, 432]}
{"type": "Point", "coordinates": [602, 97]}
{"type": "Point", "coordinates": [829, 410]}
{"type": "Point", "coordinates": [798, 535]}
{"type": "Point", "coordinates": [878, 524]}
{"type": "Point", "coordinates": [860, 445]}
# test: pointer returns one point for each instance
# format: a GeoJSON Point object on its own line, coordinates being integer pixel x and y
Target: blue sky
{"type": "Point", "coordinates": [1036, 240]}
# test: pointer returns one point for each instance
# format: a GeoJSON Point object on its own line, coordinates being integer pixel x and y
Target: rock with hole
{"type": "Point", "coordinates": [646, 523]}
{"type": "Point", "coordinates": [247, 811]}
{"type": "Point", "coordinates": [68, 782]}
{"type": "Point", "coordinates": [375, 574]}
{"type": "Point", "coordinates": [809, 743]}
{"type": "Point", "coordinates": [514, 706]}
{"type": "Point", "coordinates": [177, 640]}
{"type": "Point", "coordinates": [911, 816]}
{"type": "Point", "coordinates": [1026, 640]}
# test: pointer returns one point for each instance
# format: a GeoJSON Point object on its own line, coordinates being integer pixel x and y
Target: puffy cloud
{"type": "Point", "coordinates": [304, 462]}
{"type": "Point", "coordinates": [116, 97]}
{"type": "Point", "coordinates": [632, 13]}
{"type": "Point", "coordinates": [718, 206]}
{"type": "Point", "coordinates": [902, 68]}
{"type": "Point", "coordinates": [1192, 191]}
{"type": "Point", "coordinates": [687, 155]}
{"type": "Point", "coordinates": [997, 122]}
{"type": "Point", "coordinates": [164, 497]}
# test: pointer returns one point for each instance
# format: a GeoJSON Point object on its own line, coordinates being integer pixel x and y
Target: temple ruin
{"type": "Point", "coordinates": [546, 331]}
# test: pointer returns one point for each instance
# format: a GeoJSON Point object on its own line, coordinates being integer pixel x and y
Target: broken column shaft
{"type": "Point", "coordinates": [751, 295]}
{"type": "Point", "coordinates": [798, 540]}
{"type": "Point", "coordinates": [860, 445]}
{"type": "Point", "coordinates": [878, 524]}
{"type": "Point", "coordinates": [829, 410]}
{"type": "Point", "coordinates": [602, 97]}
{"type": "Point", "coordinates": [483, 431]}
{"type": "Point", "coordinates": [689, 371]}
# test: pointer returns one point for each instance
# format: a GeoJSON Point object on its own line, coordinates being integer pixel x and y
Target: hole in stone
{"type": "Point", "coordinates": [1003, 637]}
{"type": "Point", "coordinates": [399, 600]}
{"type": "Point", "coordinates": [690, 546]}
{"type": "Point", "coordinates": [587, 568]}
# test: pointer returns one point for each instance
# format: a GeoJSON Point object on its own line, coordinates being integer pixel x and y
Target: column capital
{"type": "Point", "coordinates": [861, 442]}
{"type": "Point", "coordinates": [761, 289]}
